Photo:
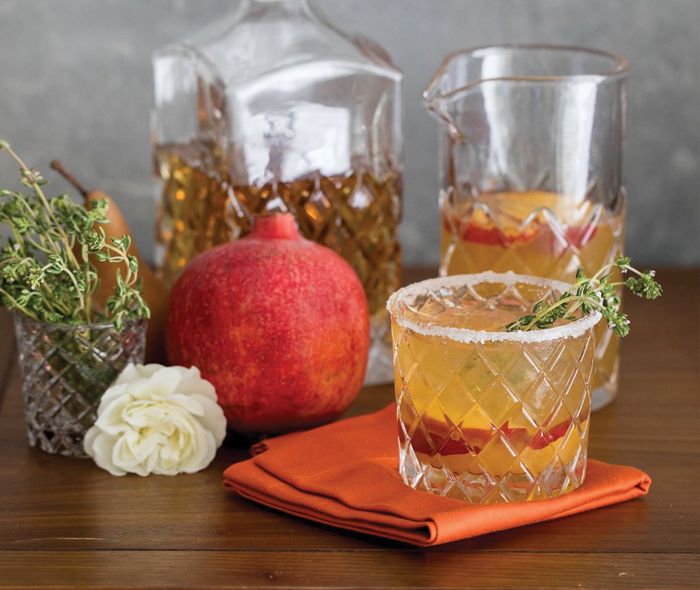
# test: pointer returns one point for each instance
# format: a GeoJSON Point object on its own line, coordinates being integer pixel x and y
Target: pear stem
{"type": "Point", "coordinates": [58, 167]}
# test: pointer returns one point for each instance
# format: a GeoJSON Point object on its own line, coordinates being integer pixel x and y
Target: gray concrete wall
{"type": "Point", "coordinates": [75, 84]}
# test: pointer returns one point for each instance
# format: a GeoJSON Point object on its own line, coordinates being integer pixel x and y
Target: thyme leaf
{"type": "Point", "coordinates": [47, 269]}
{"type": "Point", "coordinates": [598, 293]}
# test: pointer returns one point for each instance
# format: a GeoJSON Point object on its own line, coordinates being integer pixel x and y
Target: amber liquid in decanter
{"type": "Point", "coordinates": [355, 213]}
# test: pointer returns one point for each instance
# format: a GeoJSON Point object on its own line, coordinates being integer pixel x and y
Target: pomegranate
{"type": "Point", "coordinates": [277, 323]}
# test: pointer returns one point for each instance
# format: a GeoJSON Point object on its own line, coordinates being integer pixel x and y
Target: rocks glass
{"type": "Point", "coordinates": [65, 370]}
{"type": "Point", "coordinates": [487, 415]}
{"type": "Point", "coordinates": [531, 167]}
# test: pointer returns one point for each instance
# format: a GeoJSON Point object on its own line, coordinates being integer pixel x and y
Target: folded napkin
{"type": "Point", "coordinates": [346, 475]}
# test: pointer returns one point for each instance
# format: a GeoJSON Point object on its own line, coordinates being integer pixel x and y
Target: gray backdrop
{"type": "Point", "coordinates": [75, 84]}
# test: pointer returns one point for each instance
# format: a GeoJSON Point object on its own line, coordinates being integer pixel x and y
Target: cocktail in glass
{"type": "Point", "coordinates": [485, 415]}
{"type": "Point", "coordinates": [531, 159]}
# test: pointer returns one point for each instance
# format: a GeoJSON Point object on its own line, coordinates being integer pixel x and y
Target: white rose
{"type": "Point", "coordinates": [156, 419]}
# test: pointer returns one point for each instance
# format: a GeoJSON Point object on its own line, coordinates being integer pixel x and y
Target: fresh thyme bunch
{"type": "Point", "coordinates": [46, 269]}
{"type": "Point", "coordinates": [597, 293]}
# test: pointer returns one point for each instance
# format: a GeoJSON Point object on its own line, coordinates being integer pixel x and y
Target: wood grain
{"type": "Point", "coordinates": [65, 523]}
{"type": "Point", "coordinates": [353, 569]}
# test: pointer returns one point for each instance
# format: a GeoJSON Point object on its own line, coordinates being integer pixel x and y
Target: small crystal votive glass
{"type": "Point", "coordinates": [485, 415]}
{"type": "Point", "coordinates": [65, 370]}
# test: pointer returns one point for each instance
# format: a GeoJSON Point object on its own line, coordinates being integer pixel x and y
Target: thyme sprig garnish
{"type": "Point", "coordinates": [46, 263]}
{"type": "Point", "coordinates": [598, 293]}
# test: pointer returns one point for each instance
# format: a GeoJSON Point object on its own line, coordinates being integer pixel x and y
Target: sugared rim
{"type": "Point", "coordinates": [572, 330]}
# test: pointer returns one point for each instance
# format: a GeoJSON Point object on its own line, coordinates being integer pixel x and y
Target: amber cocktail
{"type": "Point", "coordinates": [487, 415]}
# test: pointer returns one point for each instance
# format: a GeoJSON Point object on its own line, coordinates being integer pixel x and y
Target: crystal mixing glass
{"type": "Point", "coordinates": [531, 167]}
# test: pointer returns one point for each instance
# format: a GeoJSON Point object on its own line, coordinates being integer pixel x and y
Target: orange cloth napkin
{"type": "Point", "coordinates": [346, 475]}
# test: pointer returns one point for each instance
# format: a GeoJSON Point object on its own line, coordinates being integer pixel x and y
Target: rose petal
{"type": "Point", "coordinates": [188, 403]}
{"type": "Point", "coordinates": [213, 419]}
{"type": "Point", "coordinates": [111, 418]}
{"type": "Point", "coordinates": [161, 384]}
{"type": "Point", "coordinates": [112, 393]}
{"type": "Point", "coordinates": [192, 383]}
{"type": "Point", "coordinates": [101, 446]}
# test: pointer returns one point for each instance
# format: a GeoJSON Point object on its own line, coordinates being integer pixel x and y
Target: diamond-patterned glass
{"type": "Point", "coordinates": [488, 419]}
{"type": "Point", "coordinates": [65, 370]}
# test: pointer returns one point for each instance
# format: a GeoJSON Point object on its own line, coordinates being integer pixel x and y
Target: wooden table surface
{"type": "Point", "coordinates": [66, 523]}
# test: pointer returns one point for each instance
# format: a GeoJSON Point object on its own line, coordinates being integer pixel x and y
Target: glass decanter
{"type": "Point", "coordinates": [273, 109]}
